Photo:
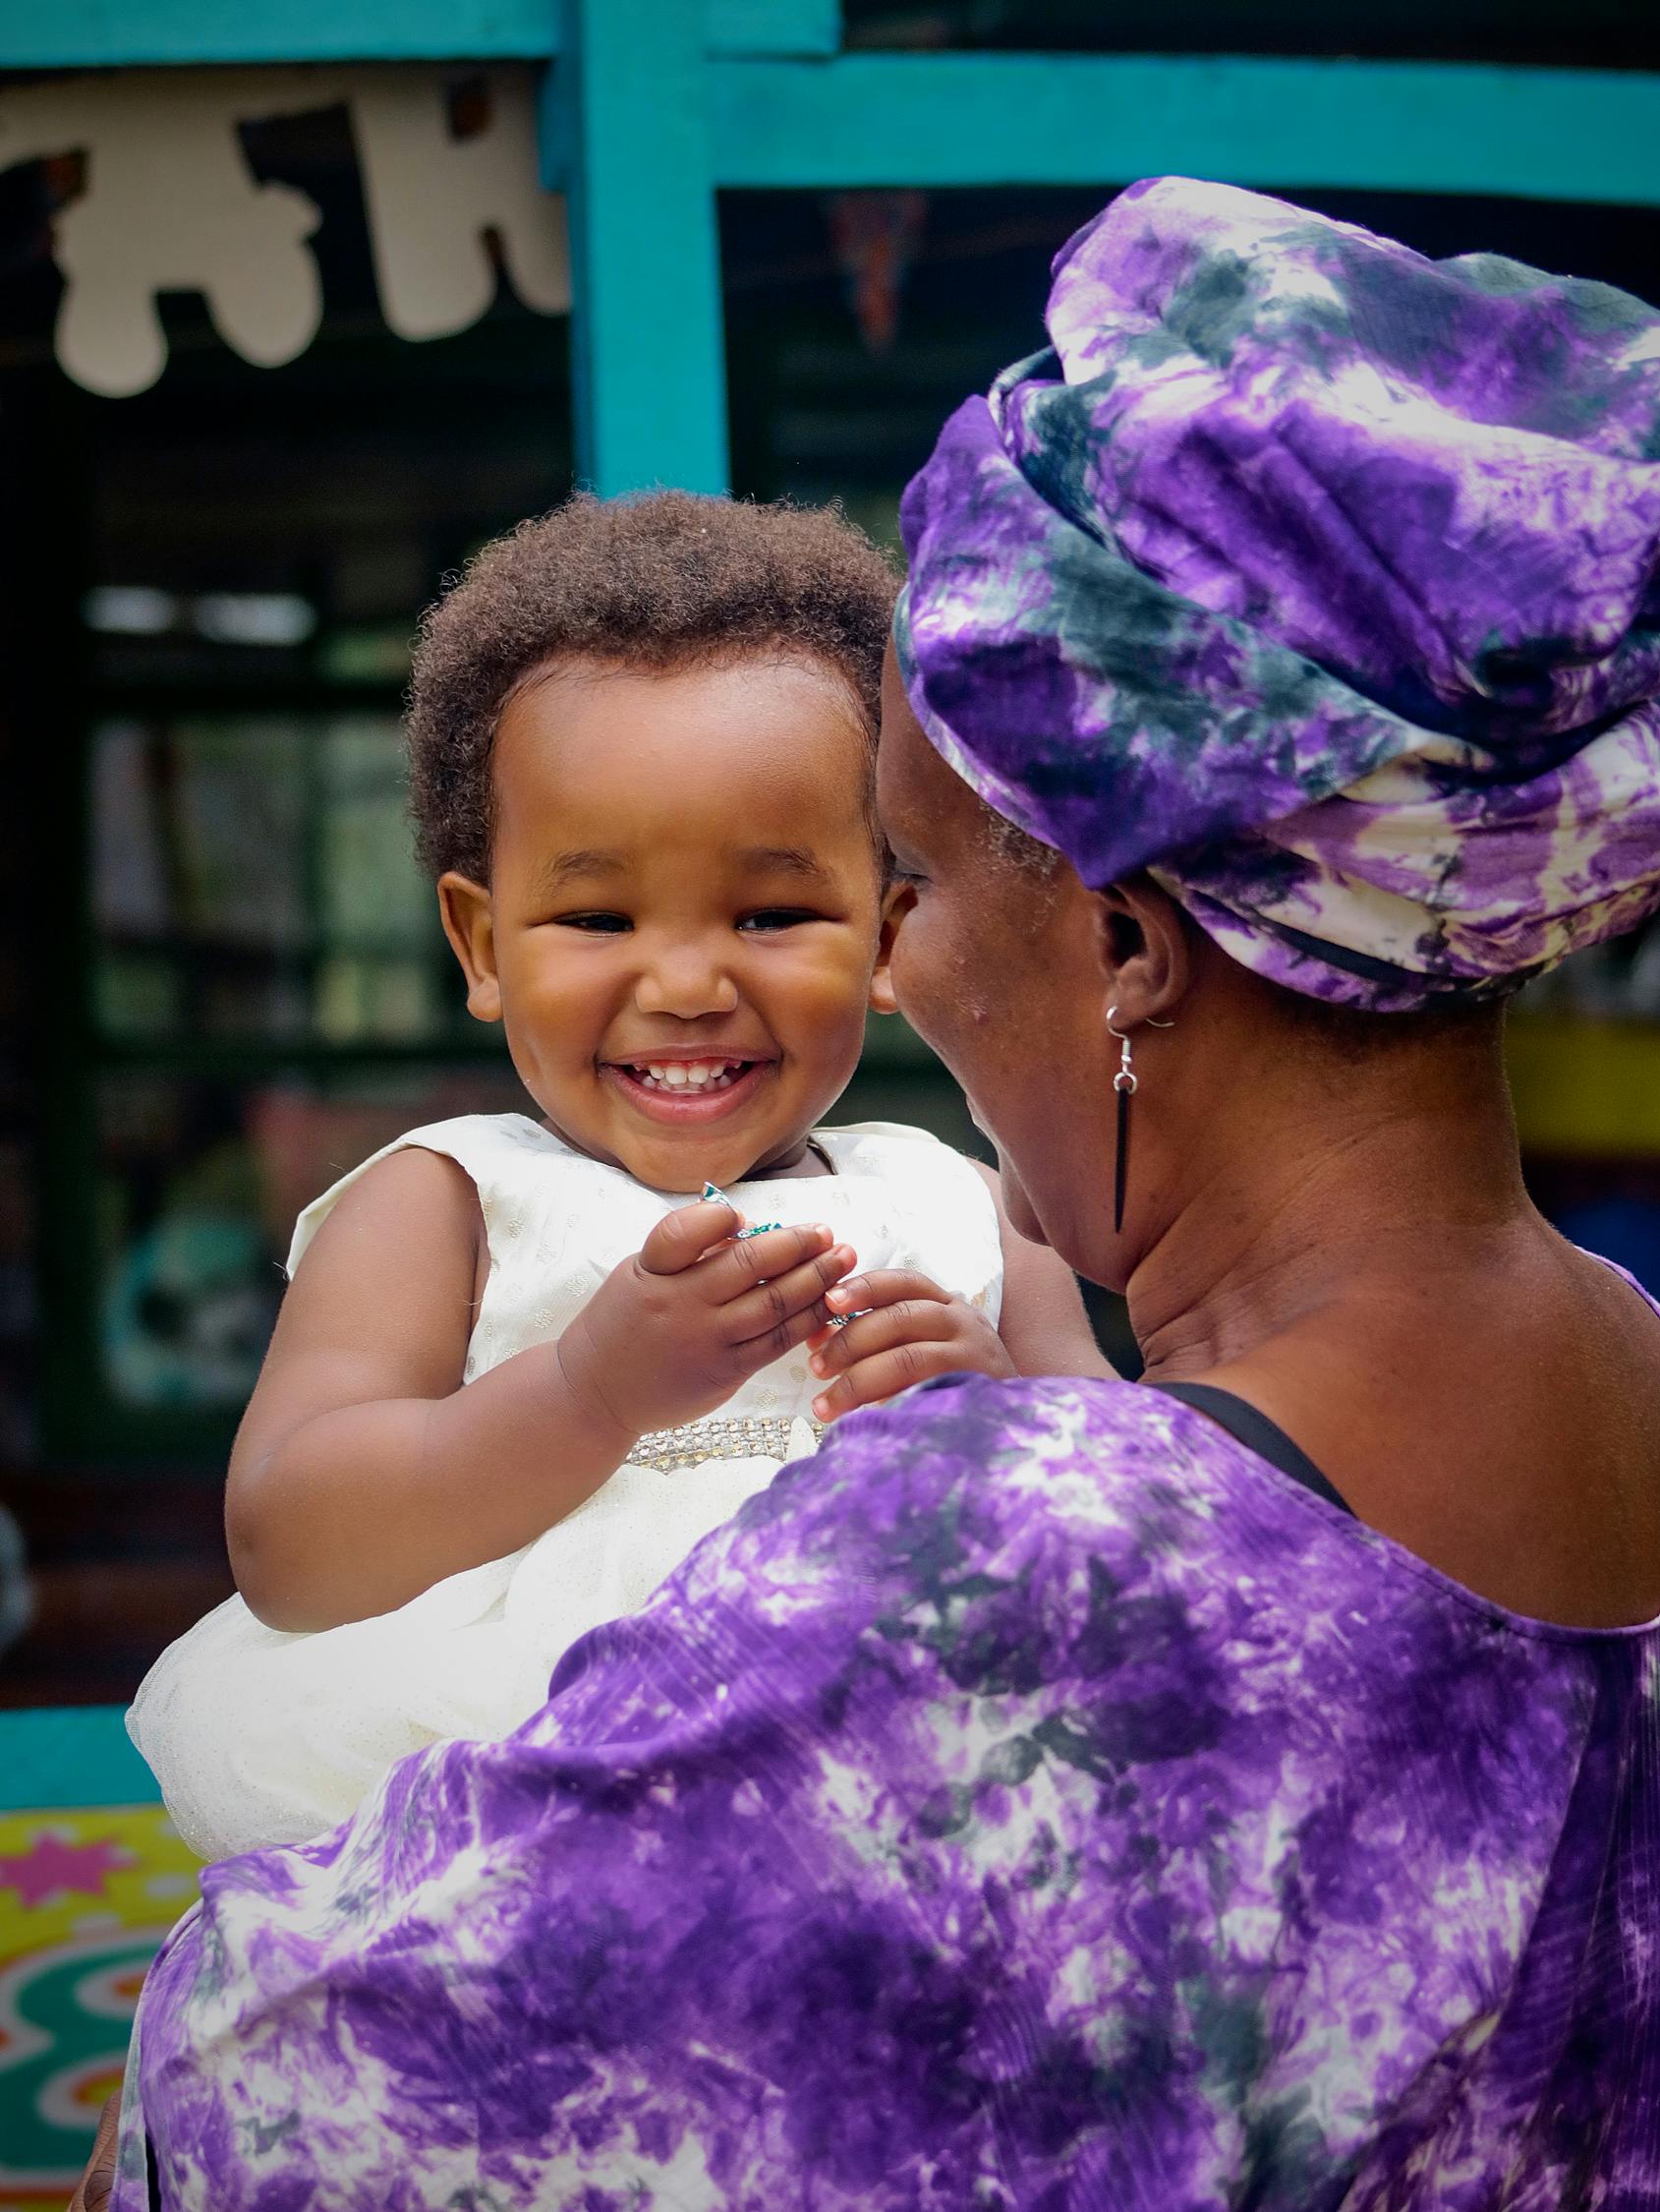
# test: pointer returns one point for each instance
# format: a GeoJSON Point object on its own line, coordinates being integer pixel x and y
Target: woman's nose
{"type": "Point", "coordinates": [686, 982]}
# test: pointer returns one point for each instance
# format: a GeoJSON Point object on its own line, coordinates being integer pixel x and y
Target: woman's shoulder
{"type": "Point", "coordinates": [1096, 1424]}
{"type": "Point", "coordinates": [1079, 1449]}
{"type": "Point", "coordinates": [1152, 1491]}
{"type": "Point", "coordinates": [967, 1468]}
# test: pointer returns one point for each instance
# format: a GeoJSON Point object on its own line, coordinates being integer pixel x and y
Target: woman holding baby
{"type": "Point", "coordinates": [1240, 1787]}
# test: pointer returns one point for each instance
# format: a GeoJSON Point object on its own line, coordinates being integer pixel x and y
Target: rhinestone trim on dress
{"type": "Point", "coordinates": [721, 1436]}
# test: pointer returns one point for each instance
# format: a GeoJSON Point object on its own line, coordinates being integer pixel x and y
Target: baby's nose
{"type": "Point", "coordinates": [686, 982]}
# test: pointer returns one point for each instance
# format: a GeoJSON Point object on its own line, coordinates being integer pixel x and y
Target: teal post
{"type": "Point", "coordinates": [628, 137]}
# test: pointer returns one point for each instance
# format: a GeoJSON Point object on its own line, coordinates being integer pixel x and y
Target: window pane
{"type": "Point", "coordinates": [199, 1184]}
{"type": "Point", "coordinates": [255, 877]}
{"type": "Point", "coordinates": [1612, 32]}
{"type": "Point", "coordinates": [189, 1284]}
{"type": "Point", "coordinates": [373, 893]}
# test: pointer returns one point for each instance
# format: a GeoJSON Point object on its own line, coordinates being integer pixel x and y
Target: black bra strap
{"type": "Point", "coordinates": [1257, 1434]}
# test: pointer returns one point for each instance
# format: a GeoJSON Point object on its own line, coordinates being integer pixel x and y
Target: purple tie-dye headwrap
{"type": "Point", "coordinates": [1319, 578]}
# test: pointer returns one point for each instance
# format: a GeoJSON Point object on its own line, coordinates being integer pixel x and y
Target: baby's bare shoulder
{"type": "Point", "coordinates": [411, 1193]}
{"type": "Point", "coordinates": [393, 1274]}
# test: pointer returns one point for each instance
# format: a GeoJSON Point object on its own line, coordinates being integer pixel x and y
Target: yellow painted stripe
{"type": "Point", "coordinates": [1586, 1088]}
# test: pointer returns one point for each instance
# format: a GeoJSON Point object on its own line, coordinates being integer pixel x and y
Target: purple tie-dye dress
{"type": "Point", "coordinates": [1035, 1801]}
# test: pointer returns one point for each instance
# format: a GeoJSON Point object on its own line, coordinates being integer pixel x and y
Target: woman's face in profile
{"type": "Point", "coordinates": [1000, 971]}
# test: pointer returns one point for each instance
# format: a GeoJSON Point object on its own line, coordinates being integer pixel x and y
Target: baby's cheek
{"type": "Point", "coordinates": [831, 993]}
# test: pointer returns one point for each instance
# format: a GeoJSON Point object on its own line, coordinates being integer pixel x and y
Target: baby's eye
{"type": "Point", "coordinates": [776, 918]}
{"type": "Point", "coordinates": [604, 924]}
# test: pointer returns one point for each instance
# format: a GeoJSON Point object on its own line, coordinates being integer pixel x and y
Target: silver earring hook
{"type": "Point", "coordinates": [1125, 1079]}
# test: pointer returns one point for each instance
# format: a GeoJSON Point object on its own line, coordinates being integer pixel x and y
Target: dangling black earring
{"type": "Point", "coordinates": [1126, 1084]}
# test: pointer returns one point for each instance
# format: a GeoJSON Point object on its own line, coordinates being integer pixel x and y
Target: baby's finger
{"type": "Point", "coordinates": [869, 1381]}
{"type": "Point", "coordinates": [914, 1320]}
{"type": "Point", "coordinates": [784, 1311]}
{"type": "Point", "coordinates": [886, 1286]}
{"type": "Point", "coordinates": [737, 1267]}
{"type": "Point", "coordinates": [682, 1237]}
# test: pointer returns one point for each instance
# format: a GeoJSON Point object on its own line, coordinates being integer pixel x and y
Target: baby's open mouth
{"type": "Point", "coordinates": [683, 1091]}
{"type": "Point", "coordinates": [687, 1077]}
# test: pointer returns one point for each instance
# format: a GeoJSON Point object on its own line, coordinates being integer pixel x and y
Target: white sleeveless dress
{"type": "Point", "coordinates": [257, 1736]}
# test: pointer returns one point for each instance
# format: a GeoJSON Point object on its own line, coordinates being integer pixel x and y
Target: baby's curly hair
{"type": "Point", "coordinates": [662, 581]}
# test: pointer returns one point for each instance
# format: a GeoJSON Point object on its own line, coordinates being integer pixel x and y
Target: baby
{"type": "Point", "coordinates": [524, 1365]}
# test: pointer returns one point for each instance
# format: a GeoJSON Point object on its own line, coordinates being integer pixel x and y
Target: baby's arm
{"type": "Point", "coordinates": [908, 1329]}
{"type": "Point", "coordinates": [363, 1472]}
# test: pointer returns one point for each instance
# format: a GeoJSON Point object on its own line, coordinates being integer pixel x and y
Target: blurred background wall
{"type": "Point", "coordinates": [222, 980]}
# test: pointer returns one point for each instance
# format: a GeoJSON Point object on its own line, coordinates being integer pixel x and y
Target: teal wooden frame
{"type": "Point", "coordinates": [177, 34]}
{"type": "Point", "coordinates": [653, 106]}
{"type": "Point", "coordinates": [752, 94]}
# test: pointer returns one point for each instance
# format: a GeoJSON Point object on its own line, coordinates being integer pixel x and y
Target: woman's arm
{"type": "Point", "coordinates": [363, 1472]}
{"type": "Point", "coordinates": [92, 2191]}
{"type": "Point", "coordinates": [673, 1863]}
{"type": "Point", "coordinates": [1044, 1326]}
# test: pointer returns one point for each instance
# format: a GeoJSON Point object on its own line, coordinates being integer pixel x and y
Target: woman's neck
{"type": "Point", "coordinates": [1331, 1197]}
{"type": "Point", "coordinates": [1378, 1283]}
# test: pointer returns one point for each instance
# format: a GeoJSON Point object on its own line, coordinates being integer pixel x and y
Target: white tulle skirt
{"type": "Point", "coordinates": [257, 1736]}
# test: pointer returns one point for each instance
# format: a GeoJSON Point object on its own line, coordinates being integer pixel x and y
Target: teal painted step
{"type": "Point", "coordinates": [60, 1757]}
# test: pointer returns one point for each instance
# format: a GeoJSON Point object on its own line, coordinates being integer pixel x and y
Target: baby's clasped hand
{"type": "Point", "coordinates": [904, 1329]}
{"type": "Point", "coordinates": [672, 1331]}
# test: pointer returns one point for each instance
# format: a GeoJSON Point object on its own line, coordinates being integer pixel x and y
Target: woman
{"type": "Point", "coordinates": [1244, 1787]}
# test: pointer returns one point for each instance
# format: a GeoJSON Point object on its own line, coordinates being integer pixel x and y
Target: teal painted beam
{"type": "Point", "coordinates": [628, 99]}
{"type": "Point", "coordinates": [120, 34]}
{"type": "Point", "coordinates": [55, 1758]}
{"type": "Point", "coordinates": [1098, 119]}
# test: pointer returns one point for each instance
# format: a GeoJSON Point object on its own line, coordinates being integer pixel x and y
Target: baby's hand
{"type": "Point", "coordinates": [671, 1334]}
{"type": "Point", "coordinates": [906, 1329]}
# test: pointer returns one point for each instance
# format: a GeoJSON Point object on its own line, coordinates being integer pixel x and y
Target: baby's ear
{"type": "Point", "coordinates": [897, 901]}
{"type": "Point", "coordinates": [469, 926]}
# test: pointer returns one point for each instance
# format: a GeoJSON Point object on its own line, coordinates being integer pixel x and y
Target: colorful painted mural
{"type": "Point", "coordinates": [86, 1897]}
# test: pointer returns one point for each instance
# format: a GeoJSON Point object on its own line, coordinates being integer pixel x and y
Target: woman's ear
{"type": "Point", "coordinates": [897, 901]}
{"type": "Point", "coordinates": [1146, 954]}
{"type": "Point", "coordinates": [471, 929]}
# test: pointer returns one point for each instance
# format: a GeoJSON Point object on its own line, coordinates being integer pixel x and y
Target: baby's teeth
{"type": "Point", "coordinates": [691, 1075]}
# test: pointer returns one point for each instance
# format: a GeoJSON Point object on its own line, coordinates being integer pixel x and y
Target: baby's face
{"type": "Point", "coordinates": [684, 914]}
